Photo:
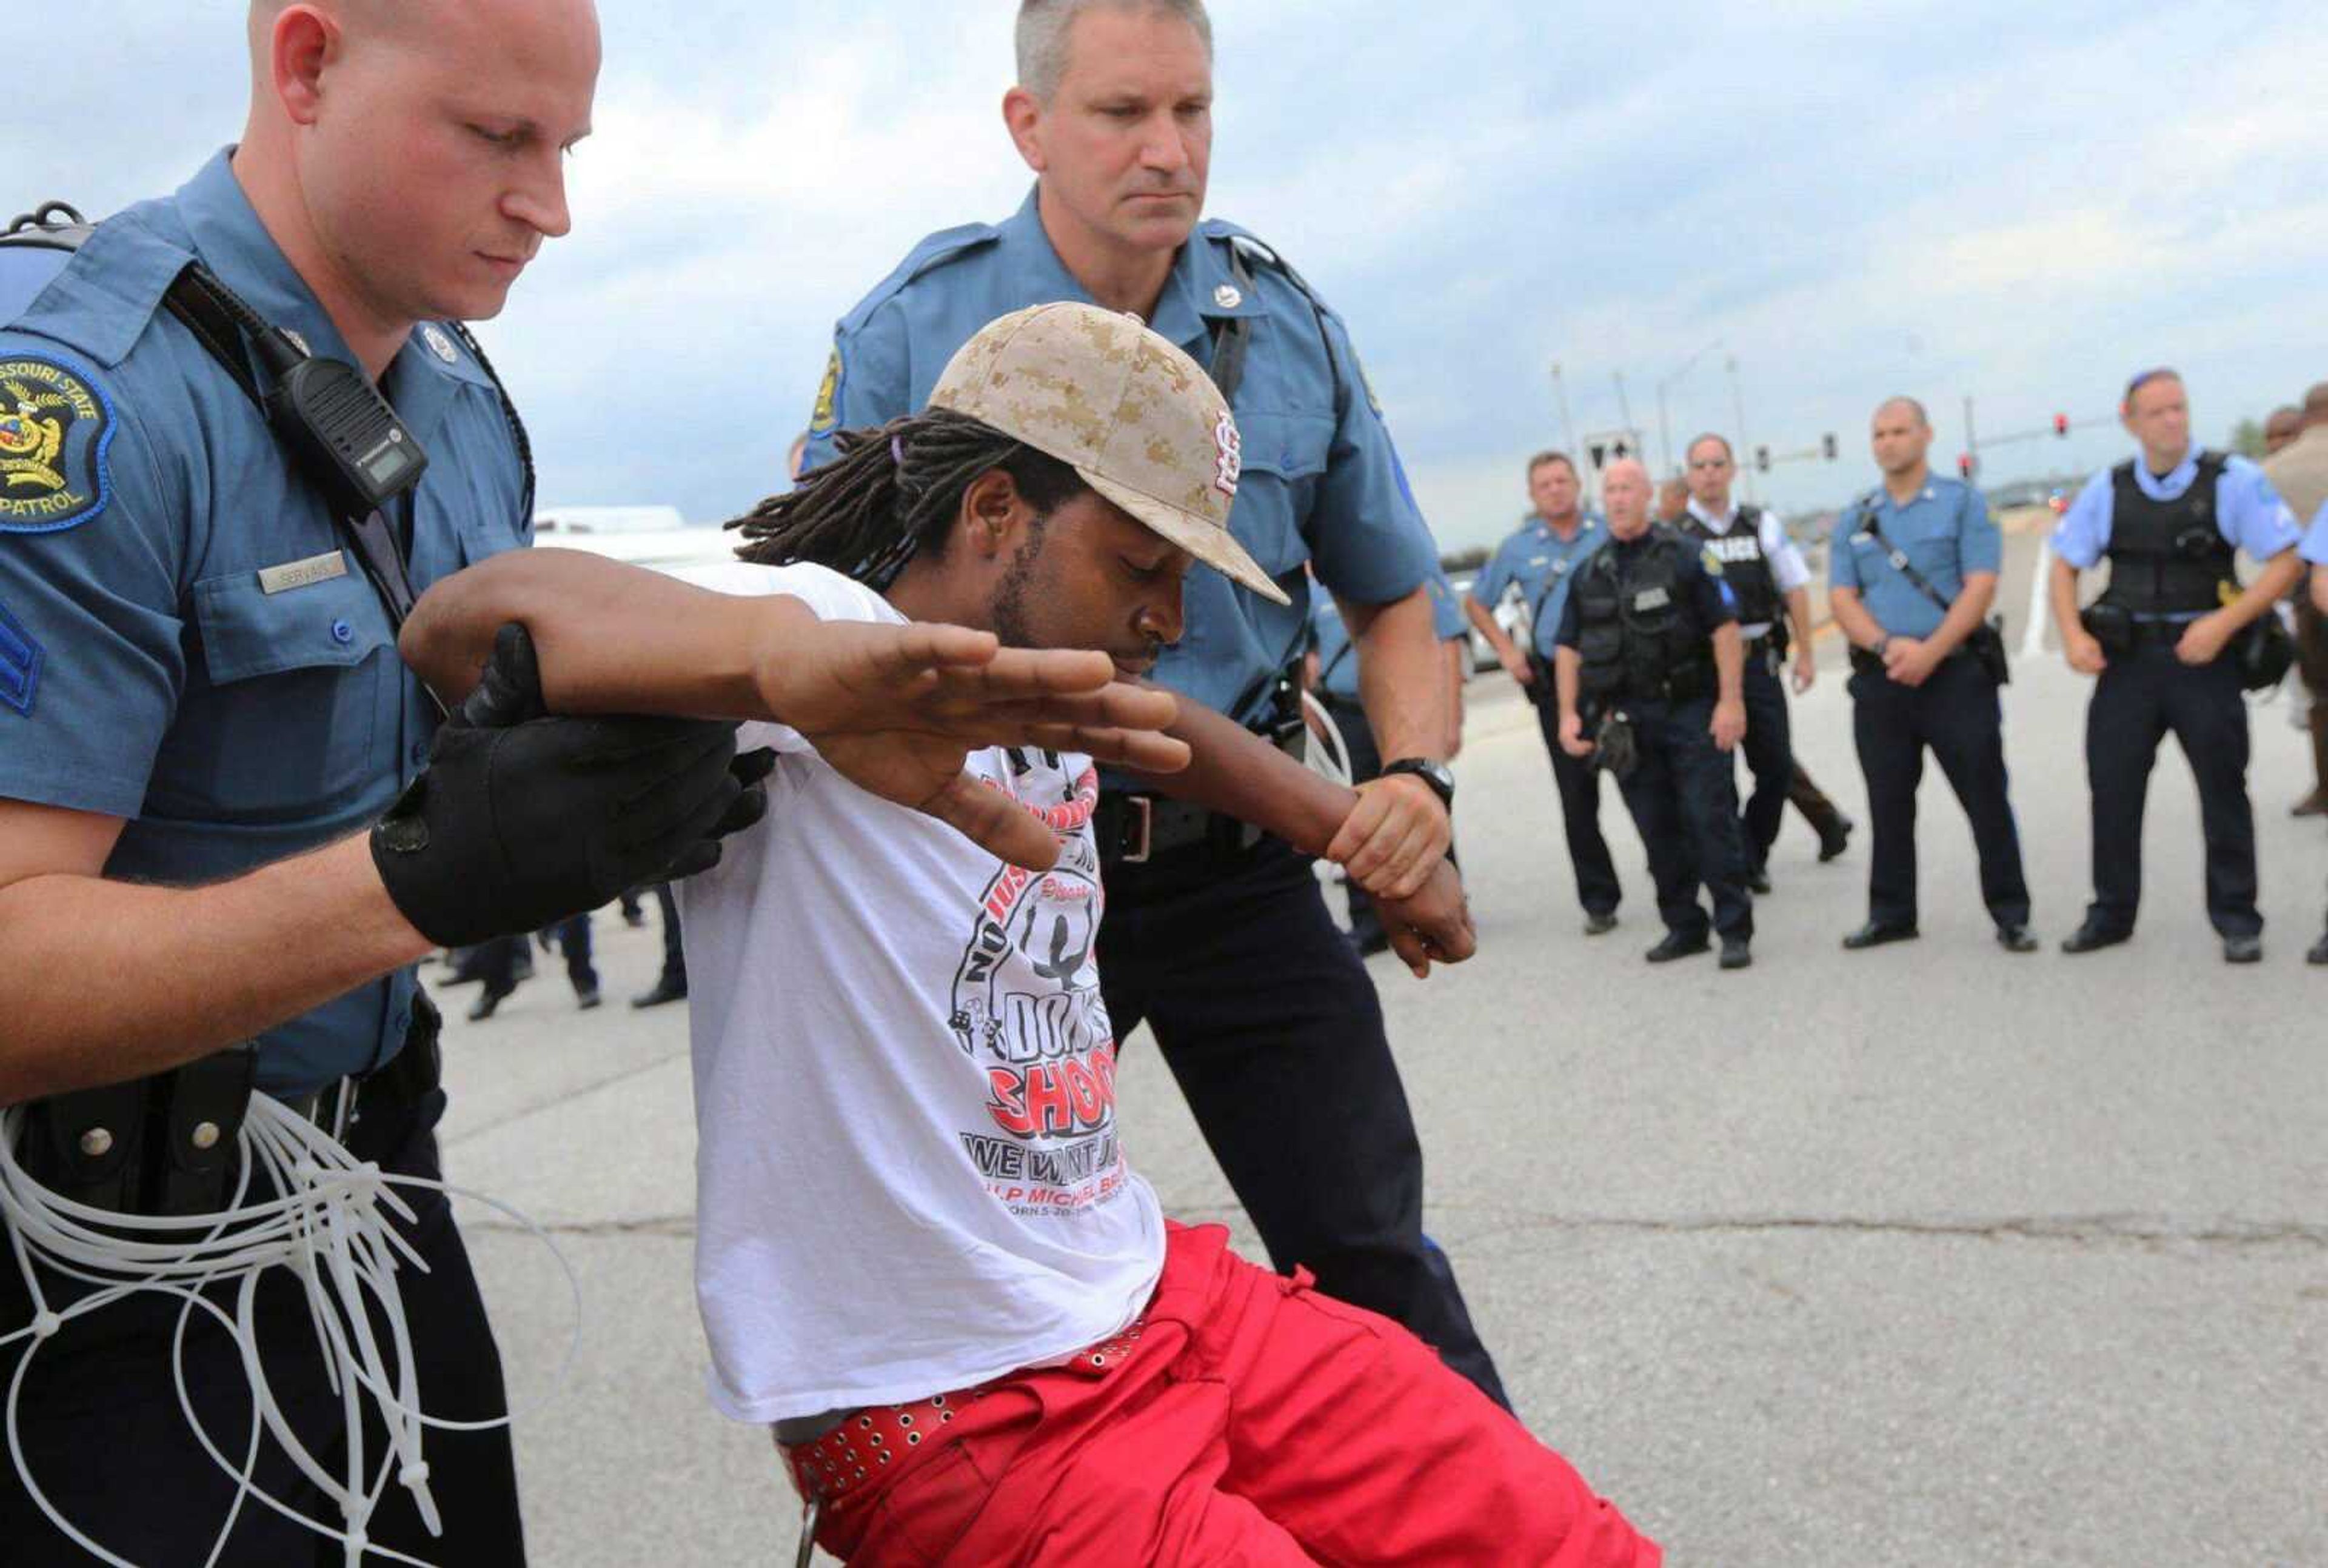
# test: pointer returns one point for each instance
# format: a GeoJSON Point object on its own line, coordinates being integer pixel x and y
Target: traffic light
{"type": "Point", "coordinates": [1964, 465]}
{"type": "Point", "coordinates": [2062, 425]}
{"type": "Point", "coordinates": [1827, 446]}
{"type": "Point", "coordinates": [1762, 459]}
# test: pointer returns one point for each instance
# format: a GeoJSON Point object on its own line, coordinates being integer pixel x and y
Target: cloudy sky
{"type": "Point", "coordinates": [2019, 203]}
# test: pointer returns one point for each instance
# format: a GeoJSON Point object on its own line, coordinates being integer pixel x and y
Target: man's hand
{"type": "Point", "coordinates": [1434, 925]}
{"type": "Point", "coordinates": [1516, 666]}
{"type": "Point", "coordinates": [1729, 726]}
{"type": "Point", "coordinates": [1393, 838]}
{"type": "Point", "coordinates": [2204, 640]}
{"type": "Point", "coordinates": [2083, 649]}
{"type": "Point", "coordinates": [897, 710]}
{"type": "Point", "coordinates": [1805, 674]}
{"type": "Point", "coordinates": [1572, 735]}
{"type": "Point", "coordinates": [1910, 660]}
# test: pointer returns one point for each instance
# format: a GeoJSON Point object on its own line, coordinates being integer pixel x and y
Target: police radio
{"type": "Point", "coordinates": [342, 433]}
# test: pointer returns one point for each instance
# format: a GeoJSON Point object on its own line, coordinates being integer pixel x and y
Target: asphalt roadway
{"type": "Point", "coordinates": [1927, 1255]}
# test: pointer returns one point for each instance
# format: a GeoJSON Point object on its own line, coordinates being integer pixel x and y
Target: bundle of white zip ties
{"type": "Point", "coordinates": [1330, 757]}
{"type": "Point", "coordinates": [328, 1227]}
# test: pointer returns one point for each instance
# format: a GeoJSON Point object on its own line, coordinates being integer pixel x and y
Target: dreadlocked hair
{"type": "Point", "coordinates": [893, 492]}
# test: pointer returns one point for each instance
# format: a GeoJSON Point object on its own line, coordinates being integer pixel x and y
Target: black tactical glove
{"type": "Point", "coordinates": [522, 820]}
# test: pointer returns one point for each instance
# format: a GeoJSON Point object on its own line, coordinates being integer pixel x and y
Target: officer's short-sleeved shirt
{"type": "Point", "coordinates": [183, 642]}
{"type": "Point", "coordinates": [1321, 482]}
{"type": "Point", "coordinates": [1539, 562]}
{"type": "Point", "coordinates": [1944, 530]}
{"type": "Point", "coordinates": [1699, 581]}
{"type": "Point", "coordinates": [1337, 659]}
{"type": "Point", "coordinates": [2248, 513]}
{"type": "Point", "coordinates": [2315, 546]}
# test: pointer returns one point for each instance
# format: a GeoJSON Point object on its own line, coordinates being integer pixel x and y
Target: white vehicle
{"type": "Point", "coordinates": [1511, 613]}
{"type": "Point", "coordinates": [664, 550]}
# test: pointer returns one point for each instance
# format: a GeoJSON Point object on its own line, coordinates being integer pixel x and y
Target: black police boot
{"type": "Point", "coordinates": [1600, 922]}
{"type": "Point", "coordinates": [487, 1002]}
{"type": "Point", "coordinates": [2015, 939]}
{"type": "Point", "coordinates": [587, 997]}
{"type": "Point", "coordinates": [2091, 938]}
{"type": "Point", "coordinates": [2319, 953]}
{"type": "Point", "coordinates": [1835, 837]}
{"type": "Point", "coordinates": [1875, 933]}
{"type": "Point", "coordinates": [1676, 946]}
{"type": "Point", "coordinates": [2242, 949]}
{"type": "Point", "coordinates": [667, 988]}
{"type": "Point", "coordinates": [1758, 880]}
{"type": "Point", "coordinates": [1737, 952]}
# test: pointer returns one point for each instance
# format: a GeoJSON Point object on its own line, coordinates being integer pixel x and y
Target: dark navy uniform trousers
{"type": "Point", "coordinates": [2142, 697]}
{"type": "Point", "coordinates": [1683, 793]}
{"type": "Point", "coordinates": [1271, 1027]}
{"type": "Point", "coordinates": [1956, 717]}
{"type": "Point", "coordinates": [1579, 782]}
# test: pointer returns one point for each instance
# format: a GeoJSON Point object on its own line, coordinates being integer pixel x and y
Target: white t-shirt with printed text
{"type": "Point", "coordinates": [908, 1172]}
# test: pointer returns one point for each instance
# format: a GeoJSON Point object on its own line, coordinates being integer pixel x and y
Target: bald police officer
{"type": "Point", "coordinates": [1539, 559]}
{"type": "Point", "coordinates": [1220, 941]}
{"type": "Point", "coordinates": [1649, 645]}
{"type": "Point", "coordinates": [1766, 573]}
{"type": "Point", "coordinates": [2163, 641]}
{"type": "Point", "coordinates": [1911, 576]}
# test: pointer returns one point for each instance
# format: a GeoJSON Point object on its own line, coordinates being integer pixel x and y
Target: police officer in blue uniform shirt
{"type": "Point", "coordinates": [201, 712]}
{"type": "Point", "coordinates": [2315, 549]}
{"type": "Point", "coordinates": [1224, 946]}
{"type": "Point", "coordinates": [1538, 560]}
{"type": "Point", "coordinates": [1647, 646]}
{"type": "Point", "coordinates": [1911, 576]}
{"type": "Point", "coordinates": [1333, 677]}
{"type": "Point", "coordinates": [2162, 641]}
{"type": "Point", "coordinates": [1766, 573]}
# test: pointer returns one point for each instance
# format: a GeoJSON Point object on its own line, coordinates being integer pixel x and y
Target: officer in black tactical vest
{"type": "Point", "coordinates": [2167, 639]}
{"type": "Point", "coordinates": [1650, 671]}
{"type": "Point", "coordinates": [1766, 574]}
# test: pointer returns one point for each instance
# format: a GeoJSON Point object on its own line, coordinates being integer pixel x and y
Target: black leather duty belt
{"type": "Point", "coordinates": [1134, 830]}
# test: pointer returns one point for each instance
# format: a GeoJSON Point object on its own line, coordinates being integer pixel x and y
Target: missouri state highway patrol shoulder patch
{"type": "Point", "coordinates": [55, 432]}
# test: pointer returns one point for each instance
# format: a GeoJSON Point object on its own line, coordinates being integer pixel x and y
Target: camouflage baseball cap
{"type": "Point", "coordinates": [1135, 417]}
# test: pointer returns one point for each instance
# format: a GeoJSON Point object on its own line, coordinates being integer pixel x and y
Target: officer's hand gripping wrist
{"type": "Point", "coordinates": [522, 820]}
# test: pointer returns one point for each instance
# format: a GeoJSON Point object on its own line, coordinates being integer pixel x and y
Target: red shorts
{"type": "Point", "coordinates": [1251, 1422]}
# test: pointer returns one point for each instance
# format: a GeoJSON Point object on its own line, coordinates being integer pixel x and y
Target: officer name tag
{"type": "Point", "coordinates": [1652, 599]}
{"type": "Point", "coordinates": [319, 568]}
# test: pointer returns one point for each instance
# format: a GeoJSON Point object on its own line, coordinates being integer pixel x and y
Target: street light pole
{"type": "Point", "coordinates": [1567, 425]}
{"type": "Point", "coordinates": [1664, 428]}
{"type": "Point", "coordinates": [1737, 406]}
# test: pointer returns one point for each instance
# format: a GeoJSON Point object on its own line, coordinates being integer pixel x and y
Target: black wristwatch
{"type": "Point", "coordinates": [1434, 773]}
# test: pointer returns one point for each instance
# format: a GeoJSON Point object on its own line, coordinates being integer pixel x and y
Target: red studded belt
{"type": "Point", "coordinates": [872, 1446]}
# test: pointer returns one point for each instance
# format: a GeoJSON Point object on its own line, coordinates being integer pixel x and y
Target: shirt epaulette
{"type": "Point", "coordinates": [934, 252]}
{"type": "Point", "coordinates": [1259, 250]}
{"type": "Point", "coordinates": [104, 299]}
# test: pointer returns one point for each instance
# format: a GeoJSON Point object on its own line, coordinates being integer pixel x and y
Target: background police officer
{"type": "Point", "coordinates": [2297, 467]}
{"type": "Point", "coordinates": [1765, 573]}
{"type": "Point", "coordinates": [2315, 549]}
{"type": "Point", "coordinates": [1648, 640]}
{"type": "Point", "coordinates": [2162, 640]}
{"type": "Point", "coordinates": [1221, 943]}
{"type": "Point", "coordinates": [1916, 682]}
{"type": "Point", "coordinates": [1539, 558]}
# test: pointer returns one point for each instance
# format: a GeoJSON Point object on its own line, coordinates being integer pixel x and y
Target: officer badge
{"type": "Point", "coordinates": [439, 343]}
{"type": "Point", "coordinates": [54, 429]}
{"type": "Point", "coordinates": [828, 396]}
{"type": "Point", "coordinates": [1713, 561]}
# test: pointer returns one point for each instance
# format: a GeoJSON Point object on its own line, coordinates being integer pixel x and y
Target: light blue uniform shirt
{"type": "Point", "coordinates": [1541, 563]}
{"type": "Point", "coordinates": [1338, 660]}
{"type": "Point", "coordinates": [1945, 531]}
{"type": "Point", "coordinates": [147, 671]}
{"type": "Point", "coordinates": [2314, 547]}
{"type": "Point", "coordinates": [2248, 513]}
{"type": "Point", "coordinates": [1321, 482]}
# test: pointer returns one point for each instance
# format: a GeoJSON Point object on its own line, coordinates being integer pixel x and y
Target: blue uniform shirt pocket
{"type": "Point", "coordinates": [283, 717]}
{"type": "Point", "coordinates": [1285, 457]}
